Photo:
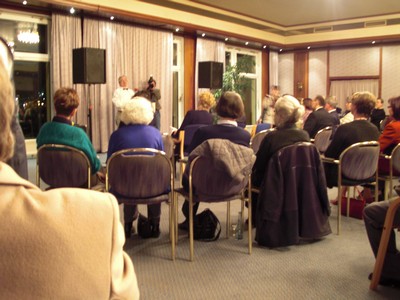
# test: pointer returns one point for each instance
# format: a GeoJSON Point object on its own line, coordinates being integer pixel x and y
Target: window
{"type": "Point", "coordinates": [250, 78]}
{"type": "Point", "coordinates": [28, 39]}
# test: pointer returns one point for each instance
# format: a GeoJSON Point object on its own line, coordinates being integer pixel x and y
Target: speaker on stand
{"type": "Point", "coordinates": [210, 74]}
{"type": "Point", "coordinates": [89, 67]}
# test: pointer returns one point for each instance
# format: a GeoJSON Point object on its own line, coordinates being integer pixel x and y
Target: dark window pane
{"type": "Point", "coordinates": [31, 90]}
{"type": "Point", "coordinates": [246, 63]}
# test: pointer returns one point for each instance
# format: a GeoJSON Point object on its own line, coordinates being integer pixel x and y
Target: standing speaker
{"type": "Point", "coordinates": [210, 74]}
{"type": "Point", "coordinates": [89, 65]}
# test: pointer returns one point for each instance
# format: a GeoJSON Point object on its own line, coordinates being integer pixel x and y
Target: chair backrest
{"type": "Point", "coordinates": [256, 140]}
{"type": "Point", "coordinates": [139, 173]}
{"type": "Point", "coordinates": [211, 179]}
{"type": "Point", "coordinates": [62, 166]}
{"type": "Point", "coordinates": [360, 160]}
{"type": "Point", "coordinates": [260, 127]}
{"type": "Point", "coordinates": [395, 158]}
{"type": "Point", "coordinates": [323, 138]}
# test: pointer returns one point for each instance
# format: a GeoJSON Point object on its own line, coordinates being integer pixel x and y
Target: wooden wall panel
{"type": "Point", "coordinates": [264, 73]}
{"type": "Point", "coordinates": [189, 72]}
{"type": "Point", "coordinates": [301, 74]}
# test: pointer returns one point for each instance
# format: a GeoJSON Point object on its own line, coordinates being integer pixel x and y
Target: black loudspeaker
{"type": "Point", "coordinates": [89, 65]}
{"type": "Point", "coordinates": [210, 74]}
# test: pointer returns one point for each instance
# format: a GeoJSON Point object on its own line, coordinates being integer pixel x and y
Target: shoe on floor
{"type": "Point", "coordinates": [184, 225]}
{"type": "Point", "coordinates": [155, 231]}
{"type": "Point", "coordinates": [385, 281]}
{"type": "Point", "coordinates": [128, 229]}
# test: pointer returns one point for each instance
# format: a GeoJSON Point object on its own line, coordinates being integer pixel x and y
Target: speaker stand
{"type": "Point", "coordinates": [89, 115]}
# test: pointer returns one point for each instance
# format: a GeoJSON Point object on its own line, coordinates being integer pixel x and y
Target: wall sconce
{"type": "Point", "coordinates": [299, 85]}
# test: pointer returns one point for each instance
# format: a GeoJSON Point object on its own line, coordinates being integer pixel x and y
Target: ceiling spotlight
{"type": "Point", "coordinates": [280, 50]}
{"type": "Point", "coordinates": [72, 10]}
{"type": "Point", "coordinates": [265, 46]}
{"type": "Point", "coordinates": [226, 39]}
{"type": "Point", "coordinates": [177, 30]}
{"type": "Point", "coordinates": [112, 18]}
{"type": "Point", "coordinates": [24, 2]}
{"type": "Point", "coordinates": [203, 34]}
{"type": "Point", "coordinates": [373, 42]}
{"type": "Point", "coordinates": [308, 47]}
{"type": "Point", "coordinates": [246, 43]}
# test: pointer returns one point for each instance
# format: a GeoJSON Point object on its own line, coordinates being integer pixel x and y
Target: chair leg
{"type": "Point", "coordinates": [172, 225]}
{"type": "Point", "coordinates": [339, 213]}
{"type": "Point", "coordinates": [250, 225]}
{"type": "Point", "coordinates": [191, 238]}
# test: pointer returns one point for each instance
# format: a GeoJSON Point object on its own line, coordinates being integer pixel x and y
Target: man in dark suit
{"type": "Point", "coordinates": [319, 118]}
{"type": "Point", "coordinates": [330, 107]}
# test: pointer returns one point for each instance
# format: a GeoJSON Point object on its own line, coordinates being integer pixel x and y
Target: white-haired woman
{"type": "Point", "coordinates": [288, 118]}
{"type": "Point", "coordinates": [134, 132]}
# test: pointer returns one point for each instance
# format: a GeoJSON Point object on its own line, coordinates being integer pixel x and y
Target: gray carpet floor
{"type": "Point", "coordinates": [335, 267]}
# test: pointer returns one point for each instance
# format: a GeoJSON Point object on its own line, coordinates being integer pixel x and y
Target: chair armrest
{"type": "Point", "coordinates": [329, 160]}
{"type": "Point", "coordinates": [385, 156]}
{"type": "Point", "coordinates": [312, 140]}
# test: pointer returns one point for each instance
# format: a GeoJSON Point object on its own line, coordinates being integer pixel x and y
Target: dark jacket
{"type": "Point", "coordinates": [293, 201]}
{"type": "Point", "coordinates": [317, 120]}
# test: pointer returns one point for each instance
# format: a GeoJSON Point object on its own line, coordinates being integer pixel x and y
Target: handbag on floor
{"type": "Point", "coordinates": [356, 207]}
{"type": "Point", "coordinates": [144, 227]}
{"type": "Point", "coordinates": [206, 226]}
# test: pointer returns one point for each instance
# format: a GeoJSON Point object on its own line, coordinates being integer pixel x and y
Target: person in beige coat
{"type": "Point", "coordinates": [59, 244]}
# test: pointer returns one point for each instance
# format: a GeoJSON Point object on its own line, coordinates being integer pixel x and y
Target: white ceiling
{"type": "Point", "coordinates": [288, 13]}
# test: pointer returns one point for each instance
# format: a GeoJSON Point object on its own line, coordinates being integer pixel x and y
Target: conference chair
{"type": "Point", "coordinates": [260, 127]}
{"type": "Point", "coordinates": [62, 166]}
{"type": "Point", "coordinates": [383, 244]}
{"type": "Point", "coordinates": [394, 166]}
{"type": "Point", "coordinates": [256, 140]}
{"type": "Point", "coordinates": [185, 138]}
{"type": "Point", "coordinates": [357, 165]}
{"type": "Point", "coordinates": [210, 181]}
{"type": "Point", "coordinates": [322, 139]}
{"type": "Point", "coordinates": [169, 146]}
{"type": "Point", "coordinates": [142, 176]}
{"type": "Point", "coordinates": [293, 201]}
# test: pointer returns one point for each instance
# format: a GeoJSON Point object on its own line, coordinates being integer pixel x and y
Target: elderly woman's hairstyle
{"type": "Point", "coordinates": [364, 103]}
{"type": "Point", "coordinates": [65, 101]}
{"type": "Point", "coordinates": [137, 111]}
{"type": "Point", "coordinates": [288, 112]}
{"type": "Point", "coordinates": [6, 114]}
{"type": "Point", "coordinates": [206, 100]}
{"type": "Point", "coordinates": [230, 106]}
{"type": "Point", "coordinates": [394, 104]}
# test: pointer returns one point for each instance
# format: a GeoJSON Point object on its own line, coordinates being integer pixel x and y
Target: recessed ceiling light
{"type": "Point", "coordinates": [112, 18]}
{"type": "Point", "coordinates": [308, 47]}
{"type": "Point", "coordinates": [177, 30]}
{"type": "Point", "coordinates": [265, 46]}
{"type": "Point", "coordinates": [226, 39]}
{"type": "Point", "coordinates": [24, 2]}
{"type": "Point", "coordinates": [72, 10]}
{"type": "Point", "coordinates": [373, 42]}
{"type": "Point", "coordinates": [203, 34]}
{"type": "Point", "coordinates": [280, 50]}
{"type": "Point", "coordinates": [246, 43]}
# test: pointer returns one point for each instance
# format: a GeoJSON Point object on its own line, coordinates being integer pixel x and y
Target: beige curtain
{"type": "Point", "coordinates": [65, 35]}
{"type": "Point", "coordinates": [345, 88]}
{"type": "Point", "coordinates": [207, 50]}
{"type": "Point", "coordinates": [273, 69]}
{"type": "Point", "coordinates": [137, 53]}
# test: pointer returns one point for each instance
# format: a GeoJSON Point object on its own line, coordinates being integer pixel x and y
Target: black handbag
{"type": "Point", "coordinates": [206, 226]}
{"type": "Point", "coordinates": [144, 227]}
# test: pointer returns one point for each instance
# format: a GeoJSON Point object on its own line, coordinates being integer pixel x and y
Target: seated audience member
{"type": "Point", "coordinates": [360, 130]}
{"type": "Point", "coordinates": [134, 132]}
{"type": "Point", "coordinates": [378, 113]}
{"type": "Point", "coordinates": [59, 243]}
{"type": "Point", "coordinates": [201, 115]}
{"type": "Point", "coordinates": [61, 130]}
{"type": "Point", "coordinates": [330, 106]}
{"type": "Point", "coordinates": [388, 139]}
{"type": "Point", "coordinates": [307, 103]}
{"type": "Point", "coordinates": [348, 116]}
{"type": "Point", "coordinates": [374, 218]}
{"type": "Point", "coordinates": [241, 122]}
{"type": "Point", "coordinates": [121, 96]}
{"type": "Point", "coordinates": [229, 108]}
{"type": "Point", "coordinates": [319, 118]}
{"type": "Point", "coordinates": [288, 113]}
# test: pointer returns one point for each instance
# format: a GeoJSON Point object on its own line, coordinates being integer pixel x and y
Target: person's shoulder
{"type": "Point", "coordinates": [81, 197]}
